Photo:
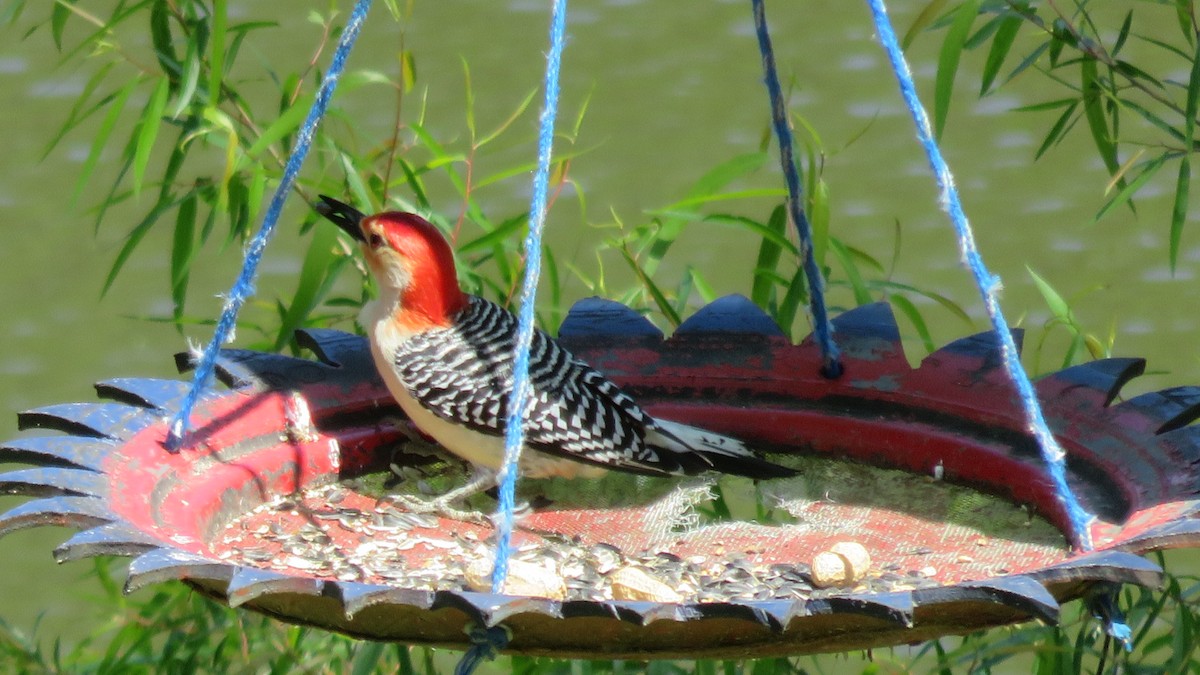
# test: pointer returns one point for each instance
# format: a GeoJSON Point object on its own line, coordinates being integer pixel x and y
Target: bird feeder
{"type": "Point", "coordinates": [920, 482]}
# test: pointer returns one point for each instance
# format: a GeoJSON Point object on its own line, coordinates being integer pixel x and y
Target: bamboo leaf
{"type": "Point", "coordinates": [703, 288]}
{"type": "Point", "coordinates": [776, 237]}
{"type": "Point", "coordinates": [1002, 43]}
{"type": "Point", "coordinates": [862, 295]}
{"type": "Point", "coordinates": [1126, 193]}
{"type": "Point", "coordinates": [469, 98]}
{"type": "Point", "coordinates": [1123, 34]}
{"type": "Point", "coordinates": [148, 132]}
{"type": "Point", "coordinates": [950, 306]}
{"type": "Point", "coordinates": [1180, 206]}
{"type": "Point", "coordinates": [182, 251]}
{"type": "Point", "coordinates": [818, 220]}
{"type": "Point", "coordinates": [1029, 60]}
{"type": "Point", "coordinates": [1093, 110]}
{"type": "Point", "coordinates": [496, 236]}
{"type": "Point", "coordinates": [216, 55]}
{"type": "Point", "coordinates": [78, 114]}
{"type": "Point", "coordinates": [908, 309]}
{"type": "Point", "coordinates": [923, 21]}
{"type": "Point", "coordinates": [285, 124]}
{"type": "Point", "coordinates": [160, 36]}
{"type": "Point", "coordinates": [132, 240]}
{"type": "Point", "coordinates": [191, 76]}
{"type": "Point", "coordinates": [100, 140]}
{"type": "Point", "coordinates": [1058, 307]}
{"type": "Point", "coordinates": [947, 68]}
{"type": "Point", "coordinates": [1063, 124]}
{"type": "Point", "coordinates": [650, 287]}
{"type": "Point", "coordinates": [1154, 119]}
{"type": "Point", "coordinates": [58, 20]}
{"type": "Point", "coordinates": [408, 71]}
{"type": "Point", "coordinates": [789, 307]}
{"type": "Point", "coordinates": [1184, 15]}
{"type": "Point", "coordinates": [320, 267]}
{"type": "Point", "coordinates": [769, 252]}
{"type": "Point", "coordinates": [503, 126]}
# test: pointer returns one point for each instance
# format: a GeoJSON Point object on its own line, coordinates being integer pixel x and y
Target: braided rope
{"type": "Point", "coordinates": [822, 327]}
{"type": "Point", "coordinates": [514, 435]}
{"type": "Point", "coordinates": [243, 288]}
{"type": "Point", "coordinates": [988, 284]}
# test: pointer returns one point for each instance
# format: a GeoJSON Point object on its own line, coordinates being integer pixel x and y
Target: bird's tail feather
{"type": "Point", "coordinates": [698, 450]}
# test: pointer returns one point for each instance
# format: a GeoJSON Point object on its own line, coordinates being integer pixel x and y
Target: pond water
{"type": "Point", "coordinates": [671, 92]}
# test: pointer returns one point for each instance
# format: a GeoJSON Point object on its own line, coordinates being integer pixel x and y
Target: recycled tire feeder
{"type": "Point", "coordinates": [283, 448]}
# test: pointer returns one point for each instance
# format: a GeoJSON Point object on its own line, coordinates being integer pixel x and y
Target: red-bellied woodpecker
{"type": "Point", "coordinates": [447, 358]}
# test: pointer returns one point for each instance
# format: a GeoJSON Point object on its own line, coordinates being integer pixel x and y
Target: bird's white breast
{"type": "Point", "coordinates": [487, 450]}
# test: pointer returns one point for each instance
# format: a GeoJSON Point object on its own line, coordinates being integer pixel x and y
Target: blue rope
{"type": "Point", "coordinates": [514, 435]}
{"type": "Point", "coordinates": [822, 328]}
{"type": "Point", "coordinates": [486, 643]}
{"type": "Point", "coordinates": [989, 285]}
{"type": "Point", "coordinates": [243, 288]}
{"type": "Point", "coordinates": [1102, 602]}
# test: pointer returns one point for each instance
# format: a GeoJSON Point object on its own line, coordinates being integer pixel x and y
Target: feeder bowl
{"type": "Point", "coordinates": [285, 502]}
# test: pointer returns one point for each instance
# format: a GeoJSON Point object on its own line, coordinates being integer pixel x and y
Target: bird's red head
{"type": "Point", "coordinates": [410, 259]}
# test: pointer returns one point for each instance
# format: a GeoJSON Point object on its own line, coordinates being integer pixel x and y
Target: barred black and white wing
{"type": "Point", "coordinates": [463, 374]}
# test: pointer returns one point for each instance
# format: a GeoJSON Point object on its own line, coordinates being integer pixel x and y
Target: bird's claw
{"type": "Point", "coordinates": [440, 507]}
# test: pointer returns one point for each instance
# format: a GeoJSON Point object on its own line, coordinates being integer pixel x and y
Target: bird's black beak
{"type": "Point", "coordinates": [343, 215]}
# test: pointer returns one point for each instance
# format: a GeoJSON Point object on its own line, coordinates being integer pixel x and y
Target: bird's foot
{"type": "Point", "coordinates": [443, 505]}
{"type": "Point", "coordinates": [440, 506]}
{"type": "Point", "coordinates": [482, 481]}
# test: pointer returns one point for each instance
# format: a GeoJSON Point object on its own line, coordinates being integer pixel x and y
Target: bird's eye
{"type": "Point", "coordinates": [375, 240]}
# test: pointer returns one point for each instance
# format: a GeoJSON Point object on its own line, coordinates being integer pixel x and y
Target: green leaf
{"type": "Point", "coordinates": [317, 273]}
{"type": "Point", "coordinates": [503, 126]}
{"type": "Point", "coordinates": [1185, 15]}
{"type": "Point", "coordinates": [818, 220]}
{"type": "Point", "coordinates": [78, 114]}
{"type": "Point", "coordinates": [132, 240]}
{"type": "Point", "coordinates": [1029, 60]}
{"type": "Point", "coordinates": [58, 20]}
{"type": "Point", "coordinates": [192, 61]}
{"type": "Point", "coordinates": [148, 131]}
{"type": "Point", "coordinates": [948, 304]}
{"type": "Point", "coordinates": [1123, 35]}
{"type": "Point", "coordinates": [947, 68]}
{"type": "Point", "coordinates": [769, 252]}
{"type": "Point", "coordinates": [496, 237]}
{"type": "Point", "coordinates": [1002, 43]}
{"type": "Point", "coordinates": [1061, 126]}
{"type": "Point", "coordinates": [1154, 119]}
{"type": "Point", "coordinates": [408, 71]}
{"type": "Point", "coordinates": [284, 124]}
{"type": "Point", "coordinates": [908, 309]}
{"type": "Point", "coordinates": [1126, 193]}
{"type": "Point", "coordinates": [216, 58]}
{"type": "Point", "coordinates": [160, 36]}
{"type": "Point", "coordinates": [702, 191]}
{"type": "Point", "coordinates": [1058, 307]}
{"type": "Point", "coordinates": [776, 237]}
{"type": "Point", "coordinates": [862, 295]}
{"type": "Point", "coordinates": [100, 140]}
{"type": "Point", "coordinates": [1093, 110]}
{"type": "Point", "coordinates": [703, 288]}
{"type": "Point", "coordinates": [1180, 206]}
{"type": "Point", "coordinates": [650, 287]}
{"type": "Point", "coordinates": [368, 658]}
{"type": "Point", "coordinates": [923, 21]}
{"type": "Point", "coordinates": [789, 307]}
{"type": "Point", "coordinates": [182, 251]}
